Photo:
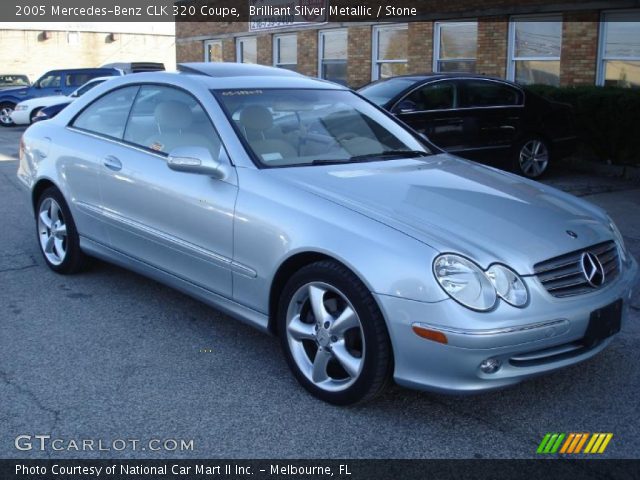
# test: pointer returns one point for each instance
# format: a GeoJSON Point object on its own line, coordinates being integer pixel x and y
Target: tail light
{"type": "Point", "coordinates": [21, 148]}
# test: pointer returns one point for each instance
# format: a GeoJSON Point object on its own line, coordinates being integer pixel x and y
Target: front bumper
{"type": "Point", "coordinates": [539, 338]}
{"type": "Point", "coordinates": [21, 117]}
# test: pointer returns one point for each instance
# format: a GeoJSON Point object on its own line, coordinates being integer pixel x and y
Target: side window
{"type": "Point", "coordinates": [52, 80]}
{"type": "Point", "coordinates": [480, 93]}
{"type": "Point", "coordinates": [435, 96]}
{"type": "Point", "coordinates": [108, 114]}
{"type": "Point", "coordinates": [164, 118]}
{"type": "Point", "coordinates": [77, 79]}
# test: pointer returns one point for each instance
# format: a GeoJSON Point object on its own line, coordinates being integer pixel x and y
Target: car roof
{"type": "Point", "coordinates": [440, 75]}
{"type": "Point", "coordinates": [235, 76]}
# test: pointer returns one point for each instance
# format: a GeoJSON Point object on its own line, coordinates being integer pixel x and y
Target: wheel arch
{"type": "Point", "coordinates": [290, 266]}
{"type": "Point", "coordinates": [37, 190]}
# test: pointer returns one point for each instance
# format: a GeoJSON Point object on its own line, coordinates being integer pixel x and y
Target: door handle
{"type": "Point", "coordinates": [112, 163]}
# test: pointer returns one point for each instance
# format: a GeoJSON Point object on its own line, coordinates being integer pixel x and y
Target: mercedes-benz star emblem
{"type": "Point", "coordinates": [592, 269]}
{"type": "Point", "coordinates": [572, 234]}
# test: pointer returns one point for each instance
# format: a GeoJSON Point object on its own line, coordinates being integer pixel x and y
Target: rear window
{"type": "Point", "coordinates": [483, 93]}
{"type": "Point", "coordinates": [381, 92]}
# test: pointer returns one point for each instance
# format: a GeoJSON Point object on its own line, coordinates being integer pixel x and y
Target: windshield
{"type": "Point", "coordinates": [309, 127]}
{"type": "Point", "coordinates": [13, 81]}
{"type": "Point", "coordinates": [381, 92]}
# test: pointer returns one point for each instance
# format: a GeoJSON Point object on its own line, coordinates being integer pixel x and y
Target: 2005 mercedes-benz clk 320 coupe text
{"type": "Point", "coordinates": [299, 207]}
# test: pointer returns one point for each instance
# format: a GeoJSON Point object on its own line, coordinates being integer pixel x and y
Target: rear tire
{"type": "Point", "coordinates": [345, 356]}
{"type": "Point", "coordinates": [532, 157]}
{"type": "Point", "coordinates": [6, 109]}
{"type": "Point", "coordinates": [57, 235]}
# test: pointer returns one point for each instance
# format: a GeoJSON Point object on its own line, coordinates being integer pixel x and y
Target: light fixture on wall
{"type": "Point", "coordinates": [113, 37]}
{"type": "Point", "coordinates": [44, 35]}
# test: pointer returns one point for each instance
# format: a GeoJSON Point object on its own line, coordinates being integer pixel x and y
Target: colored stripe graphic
{"type": "Point", "coordinates": [572, 443]}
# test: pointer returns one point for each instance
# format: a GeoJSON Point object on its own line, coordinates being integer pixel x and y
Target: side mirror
{"type": "Point", "coordinates": [197, 160]}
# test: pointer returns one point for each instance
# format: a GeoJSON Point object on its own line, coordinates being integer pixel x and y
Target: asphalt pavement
{"type": "Point", "coordinates": [109, 355]}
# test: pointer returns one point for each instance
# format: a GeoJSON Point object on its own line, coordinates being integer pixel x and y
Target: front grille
{"type": "Point", "coordinates": [563, 276]}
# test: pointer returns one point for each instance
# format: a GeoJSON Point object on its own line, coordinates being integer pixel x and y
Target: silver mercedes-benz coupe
{"type": "Point", "coordinates": [302, 209]}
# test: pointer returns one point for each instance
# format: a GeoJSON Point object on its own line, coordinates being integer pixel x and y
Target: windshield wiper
{"type": "Point", "coordinates": [392, 153]}
{"type": "Point", "coordinates": [370, 156]}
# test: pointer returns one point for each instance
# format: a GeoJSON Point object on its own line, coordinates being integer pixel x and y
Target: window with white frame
{"type": "Point", "coordinates": [390, 51]}
{"type": "Point", "coordinates": [213, 51]}
{"type": "Point", "coordinates": [332, 57]}
{"type": "Point", "coordinates": [455, 47]}
{"type": "Point", "coordinates": [619, 56]}
{"type": "Point", "coordinates": [247, 50]}
{"type": "Point", "coordinates": [535, 44]}
{"type": "Point", "coordinates": [285, 51]}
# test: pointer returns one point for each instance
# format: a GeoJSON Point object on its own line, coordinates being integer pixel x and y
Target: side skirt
{"type": "Point", "coordinates": [244, 314]}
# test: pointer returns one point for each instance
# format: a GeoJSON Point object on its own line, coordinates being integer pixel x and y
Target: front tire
{"type": "Point", "coordinates": [57, 235]}
{"type": "Point", "coordinates": [532, 157]}
{"type": "Point", "coordinates": [6, 109]}
{"type": "Point", "coordinates": [333, 334]}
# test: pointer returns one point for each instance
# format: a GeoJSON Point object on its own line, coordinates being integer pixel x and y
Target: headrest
{"type": "Point", "coordinates": [256, 117]}
{"type": "Point", "coordinates": [173, 114]}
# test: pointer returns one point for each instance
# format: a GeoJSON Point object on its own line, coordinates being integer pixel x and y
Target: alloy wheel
{"type": "Point", "coordinates": [534, 158]}
{"type": "Point", "coordinates": [325, 336]}
{"type": "Point", "coordinates": [52, 231]}
{"type": "Point", "coordinates": [5, 115]}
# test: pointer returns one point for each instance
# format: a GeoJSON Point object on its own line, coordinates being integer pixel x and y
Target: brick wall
{"type": "Point", "coordinates": [579, 55]}
{"type": "Point", "coordinates": [26, 51]}
{"type": "Point", "coordinates": [190, 51]}
{"type": "Point", "coordinates": [359, 56]}
{"type": "Point", "coordinates": [493, 33]}
{"type": "Point", "coordinates": [308, 52]}
{"type": "Point", "coordinates": [420, 53]}
{"type": "Point", "coordinates": [265, 50]}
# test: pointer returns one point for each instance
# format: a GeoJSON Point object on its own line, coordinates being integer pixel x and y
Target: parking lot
{"type": "Point", "coordinates": [109, 355]}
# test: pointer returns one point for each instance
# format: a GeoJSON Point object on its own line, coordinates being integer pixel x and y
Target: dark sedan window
{"type": "Point", "coordinates": [482, 93]}
{"type": "Point", "coordinates": [435, 96]}
{"type": "Point", "coordinates": [381, 92]}
{"type": "Point", "coordinates": [108, 114]}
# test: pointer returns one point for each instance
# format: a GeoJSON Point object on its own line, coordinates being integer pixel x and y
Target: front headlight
{"type": "Point", "coordinates": [619, 240]}
{"type": "Point", "coordinates": [19, 107]}
{"type": "Point", "coordinates": [508, 285]}
{"type": "Point", "coordinates": [465, 282]}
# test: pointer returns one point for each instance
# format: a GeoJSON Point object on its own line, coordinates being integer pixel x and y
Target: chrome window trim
{"type": "Point", "coordinates": [455, 79]}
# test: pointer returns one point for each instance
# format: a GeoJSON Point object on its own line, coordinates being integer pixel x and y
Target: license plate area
{"type": "Point", "coordinates": [603, 323]}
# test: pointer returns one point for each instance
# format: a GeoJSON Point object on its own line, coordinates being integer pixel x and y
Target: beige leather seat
{"type": "Point", "coordinates": [174, 122]}
{"type": "Point", "coordinates": [256, 123]}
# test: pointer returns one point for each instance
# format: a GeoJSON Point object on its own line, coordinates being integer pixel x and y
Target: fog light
{"type": "Point", "coordinates": [490, 365]}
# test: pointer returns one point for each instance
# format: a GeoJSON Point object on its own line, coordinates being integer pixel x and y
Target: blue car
{"type": "Point", "coordinates": [54, 82]}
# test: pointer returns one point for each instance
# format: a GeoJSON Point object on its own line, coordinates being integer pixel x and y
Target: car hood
{"type": "Point", "coordinates": [15, 90]}
{"type": "Point", "coordinates": [455, 205]}
{"type": "Point", "coordinates": [47, 101]}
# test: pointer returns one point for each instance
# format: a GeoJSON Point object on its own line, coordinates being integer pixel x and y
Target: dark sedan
{"type": "Point", "coordinates": [484, 119]}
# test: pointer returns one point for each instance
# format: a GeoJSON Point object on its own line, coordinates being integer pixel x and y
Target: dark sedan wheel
{"type": "Point", "coordinates": [6, 109]}
{"type": "Point", "coordinates": [532, 158]}
{"type": "Point", "coordinates": [333, 334]}
{"type": "Point", "coordinates": [57, 235]}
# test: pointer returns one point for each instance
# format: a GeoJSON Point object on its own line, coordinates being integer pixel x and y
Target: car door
{"type": "Point", "coordinates": [431, 109]}
{"type": "Point", "coordinates": [89, 140]}
{"type": "Point", "coordinates": [179, 222]}
{"type": "Point", "coordinates": [492, 113]}
{"type": "Point", "coordinates": [49, 84]}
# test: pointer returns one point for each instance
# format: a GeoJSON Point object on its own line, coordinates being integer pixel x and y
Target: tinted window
{"type": "Point", "coordinates": [480, 93]}
{"type": "Point", "coordinates": [77, 79]}
{"type": "Point", "coordinates": [164, 118]}
{"type": "Point", "coordinates": [108, 114]}
{"type": "Point", "coordinates": [435, 96]}
{"type": "Point", "coordinates": [381, 92]}
{"type": "Point", "coordinates": [50, 80]}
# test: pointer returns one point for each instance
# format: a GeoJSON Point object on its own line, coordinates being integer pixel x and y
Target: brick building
{"type": "Point", "coordinates": [32, 48]}
{"type": "Point", "coordinates": [530, 41]}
